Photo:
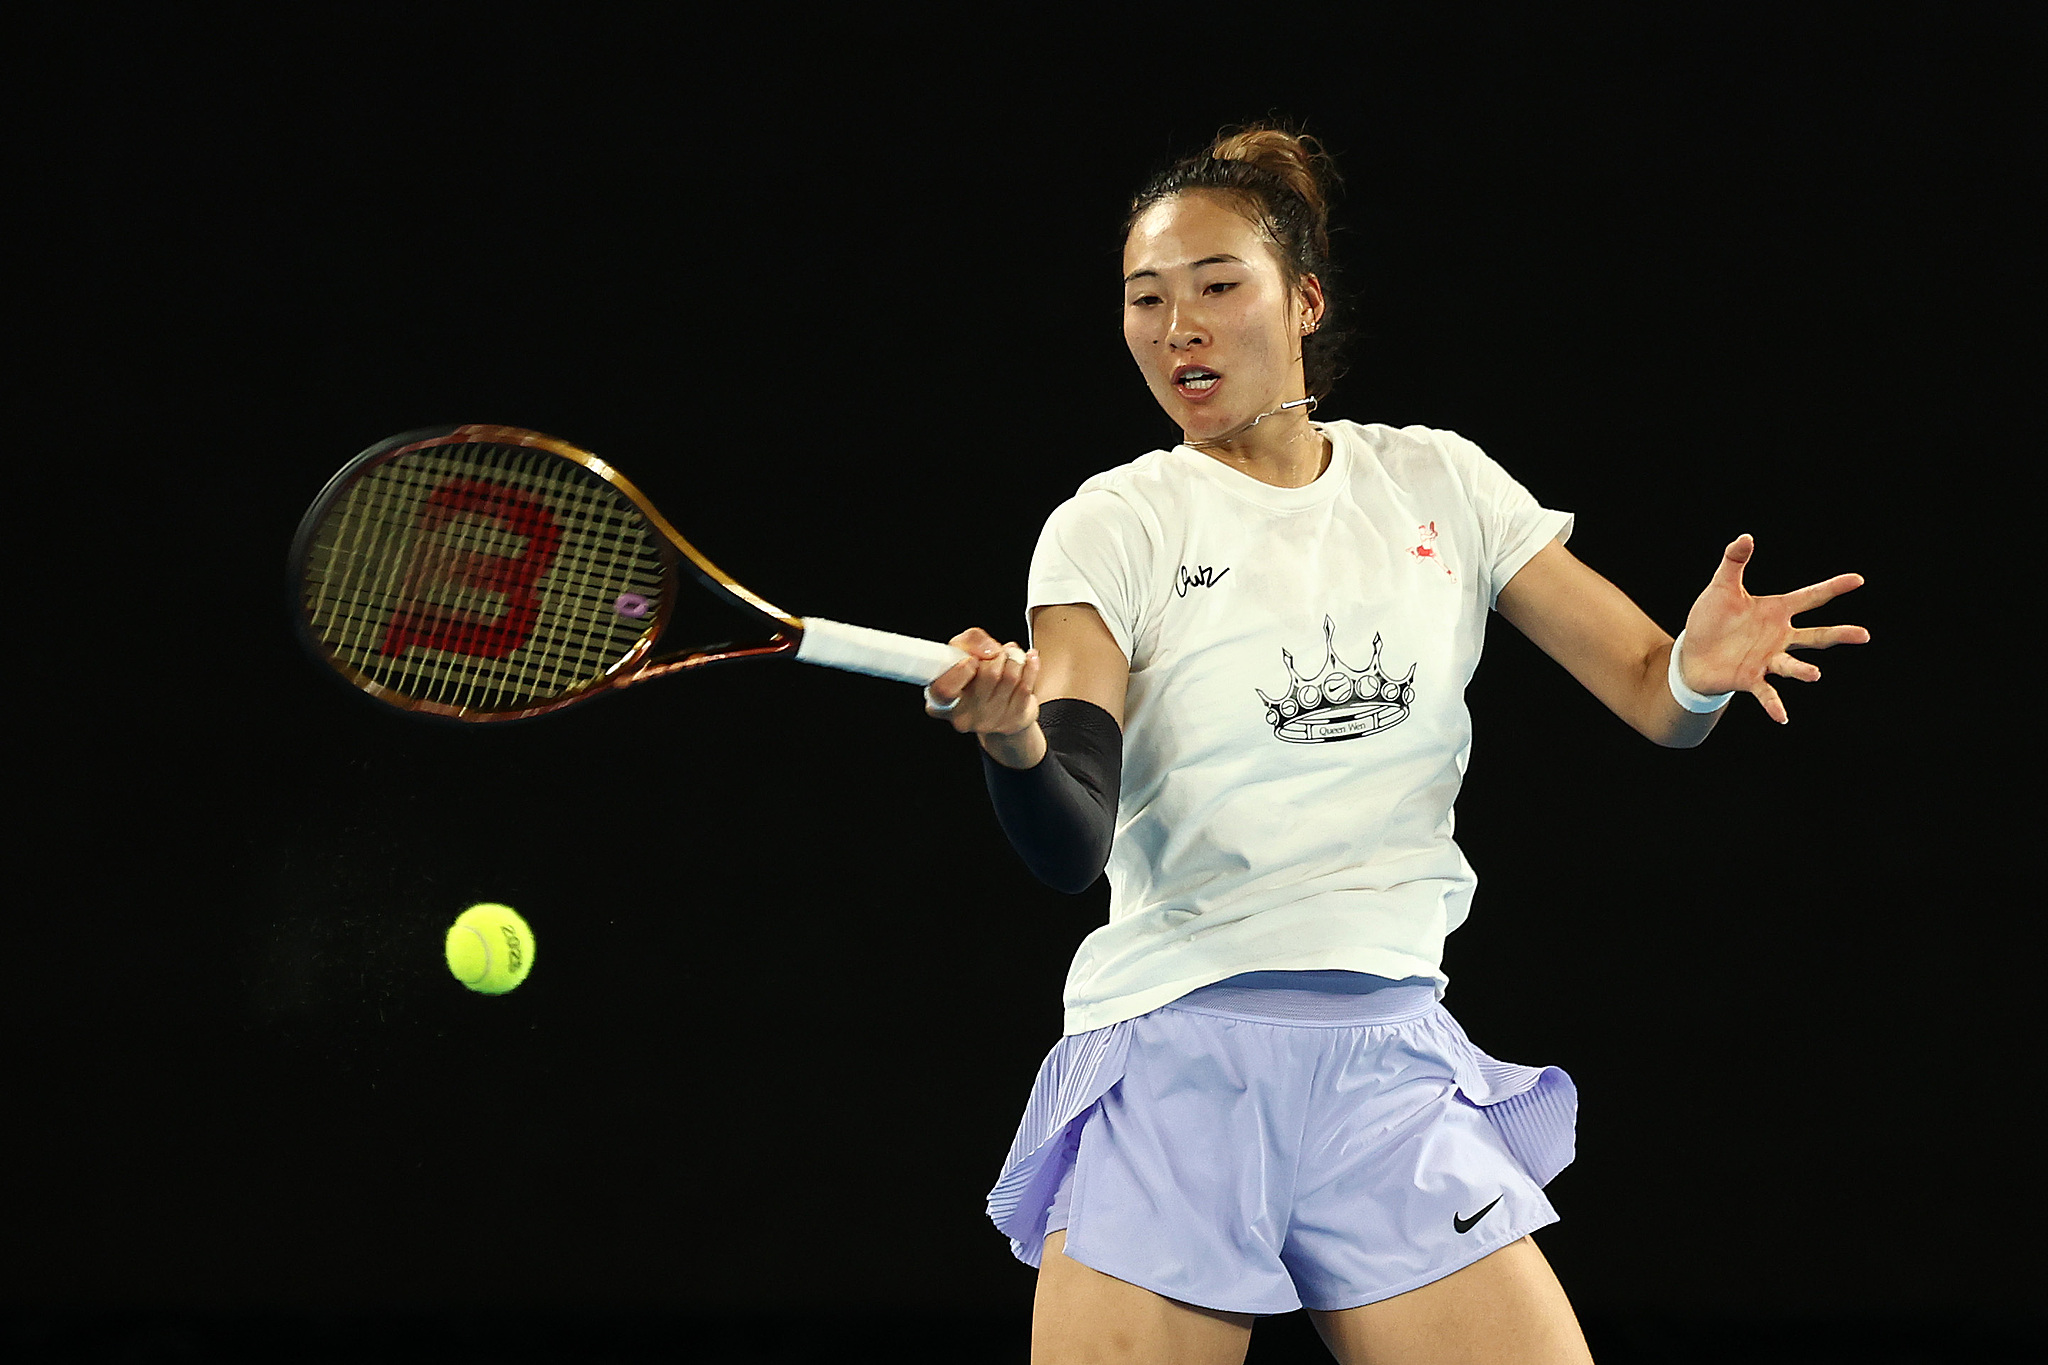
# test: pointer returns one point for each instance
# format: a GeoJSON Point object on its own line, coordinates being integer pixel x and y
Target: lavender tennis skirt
{"type": "Point", "coordinates": [1256, 1147]}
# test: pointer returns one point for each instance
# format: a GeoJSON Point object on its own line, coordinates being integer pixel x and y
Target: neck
{"type": "Point", "coordinates": [1283, 449]}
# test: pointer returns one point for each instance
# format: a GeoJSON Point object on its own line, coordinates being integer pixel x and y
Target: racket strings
{"type": "Point", "coordinates": [481, 576]}
{"type": "Point", "coordinates": [478, 540]}
{"type": "Point", "coordinates": [555, 656]}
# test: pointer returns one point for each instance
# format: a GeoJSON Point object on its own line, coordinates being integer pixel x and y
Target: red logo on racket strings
{"type": "Point", "coordinates": [437, 561]}
{"type": "Point", "coordinates": [1427, 550]}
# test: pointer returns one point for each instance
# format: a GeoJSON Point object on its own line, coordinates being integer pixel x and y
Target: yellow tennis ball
{"type": "Point", "coordinates": [490, 949]}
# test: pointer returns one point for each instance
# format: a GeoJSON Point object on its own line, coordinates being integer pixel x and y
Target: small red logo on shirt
{"type": "Point", "coordinates": [1427, 550]}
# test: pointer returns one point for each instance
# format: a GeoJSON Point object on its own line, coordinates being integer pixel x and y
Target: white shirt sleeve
{"type": "Point", "coordinates": [1093, 549]}
{"type": "Point", "coordinates": [1513, 524]}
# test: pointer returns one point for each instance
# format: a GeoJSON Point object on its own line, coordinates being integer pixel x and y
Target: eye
{"type": "Point", "coordinates": [1144, 299]}
{"type": "Point", "coordinates": [1221, 285]}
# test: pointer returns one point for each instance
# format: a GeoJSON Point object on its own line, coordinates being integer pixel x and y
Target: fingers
{"type": "Point", "coordinates": [1732, 560]}
{"type": "Point", "coordinates": [977, 642]}
{"type": "Point", "coordinates": [1785, 666]}
{"type": "Point", "coordinates": [1000, 698]}
{"type": "Point", "coordinates": [947, 687]}
{"type": "Point", "coordinates": [1767, 695]}
{"type": "Point", "coordinates": [1811, 596]}
{"type": "Point", "coordinates": [991, 691]}
{"type": "Point", "coordinates": [1827, 637]}
{"type": "Point", "coordinates": [977, 645]}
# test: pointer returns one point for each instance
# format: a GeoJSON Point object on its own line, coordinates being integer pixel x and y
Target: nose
{"type": "Point", "coordinates": [1184, 329]}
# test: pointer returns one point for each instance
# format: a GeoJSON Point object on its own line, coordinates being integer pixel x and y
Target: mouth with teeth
{"type": "Point", "coordinates": [1196, 381]}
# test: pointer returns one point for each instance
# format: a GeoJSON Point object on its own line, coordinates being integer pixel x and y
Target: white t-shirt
{"type": "Point", "coordinates": [1271, 817]}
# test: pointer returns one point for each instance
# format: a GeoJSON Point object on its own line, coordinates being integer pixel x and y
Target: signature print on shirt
{"type": "Point", "coordinates": [1202, 577]}
{"type": "Point", "coordinates": [1338, 702]}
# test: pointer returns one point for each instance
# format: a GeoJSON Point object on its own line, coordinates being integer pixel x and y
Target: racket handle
{"type": "Point", "coordinates": [875, 652]}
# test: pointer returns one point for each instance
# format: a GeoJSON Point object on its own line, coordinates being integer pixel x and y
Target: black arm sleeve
{"type": "Point", "coordinates": [1061, 815]}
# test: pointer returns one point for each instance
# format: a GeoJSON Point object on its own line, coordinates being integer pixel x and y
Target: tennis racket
{"type": "Point", "coordinates": [486, 573]}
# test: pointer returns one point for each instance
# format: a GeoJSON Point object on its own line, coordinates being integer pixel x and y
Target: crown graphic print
{"type": "Point", "coordinates": [1338, 702]}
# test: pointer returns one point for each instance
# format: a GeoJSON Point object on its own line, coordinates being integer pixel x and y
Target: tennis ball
{"type": "Point", "coordinates": [490, 949]}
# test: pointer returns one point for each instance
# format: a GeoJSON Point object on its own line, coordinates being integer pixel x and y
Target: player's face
{"type": "Point", "coordinates": [1208, 315]}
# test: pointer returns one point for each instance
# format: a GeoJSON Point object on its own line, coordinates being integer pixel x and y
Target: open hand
{"type": "Point", "coordinates": [1734, 641]}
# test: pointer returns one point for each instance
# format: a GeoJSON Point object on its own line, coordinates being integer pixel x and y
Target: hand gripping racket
{"type": "Point", "coordinates": [492, 574]}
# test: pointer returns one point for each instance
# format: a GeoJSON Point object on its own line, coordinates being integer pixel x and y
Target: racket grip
{"type": "Point", "coordinates": [874, 652]}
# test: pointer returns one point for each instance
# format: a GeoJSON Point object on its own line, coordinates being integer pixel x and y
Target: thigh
{"type": "Point", "coordinates": [1084, 1317]}
{"type": "Point", "coordinates": [1503, 1309]}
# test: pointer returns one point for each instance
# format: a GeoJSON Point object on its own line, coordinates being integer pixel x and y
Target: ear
{"type": "Point", "coordinates": [1313, 304]}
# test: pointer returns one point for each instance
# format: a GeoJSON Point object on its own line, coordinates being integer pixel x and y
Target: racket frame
{"type": "Point", "coordinates": [636, 665]}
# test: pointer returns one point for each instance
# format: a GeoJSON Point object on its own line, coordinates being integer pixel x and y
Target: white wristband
{"type": "Point", "coordinates": [1698, 702]}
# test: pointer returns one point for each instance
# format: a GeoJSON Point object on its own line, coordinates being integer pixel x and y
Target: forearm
{"type": "Point", "coordinates": [1060, 812]}
{"type": "Point", "coordinates": [1658, 714]}
{"type": "Point", "coordinates": [1025, 749]}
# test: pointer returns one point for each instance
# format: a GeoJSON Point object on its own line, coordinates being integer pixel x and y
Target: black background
{"type": "Point", "coordinates": [841, 297]}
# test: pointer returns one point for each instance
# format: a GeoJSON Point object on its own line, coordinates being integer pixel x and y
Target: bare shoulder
{"type": "Point", "coordinates": [1079, 657]}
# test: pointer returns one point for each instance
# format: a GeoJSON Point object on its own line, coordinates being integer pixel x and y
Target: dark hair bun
{"type": "Point", "coordinates": [1297, 160]}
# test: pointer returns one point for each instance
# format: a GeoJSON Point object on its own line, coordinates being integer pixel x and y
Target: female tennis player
{"type": "Point", "coordinates": [1245, 700]}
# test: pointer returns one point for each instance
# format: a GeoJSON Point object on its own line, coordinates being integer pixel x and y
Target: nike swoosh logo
{"type": "Point", "coordinates": [1465, 1224]}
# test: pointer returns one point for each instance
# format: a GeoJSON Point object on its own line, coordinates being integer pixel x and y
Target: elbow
{"type": "Point", "coordinates": [1073, 881]}
{"type": "Point", "coordinates": [1688, 732]}
{"type": "Point", "coordinates": [1071, 876]}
